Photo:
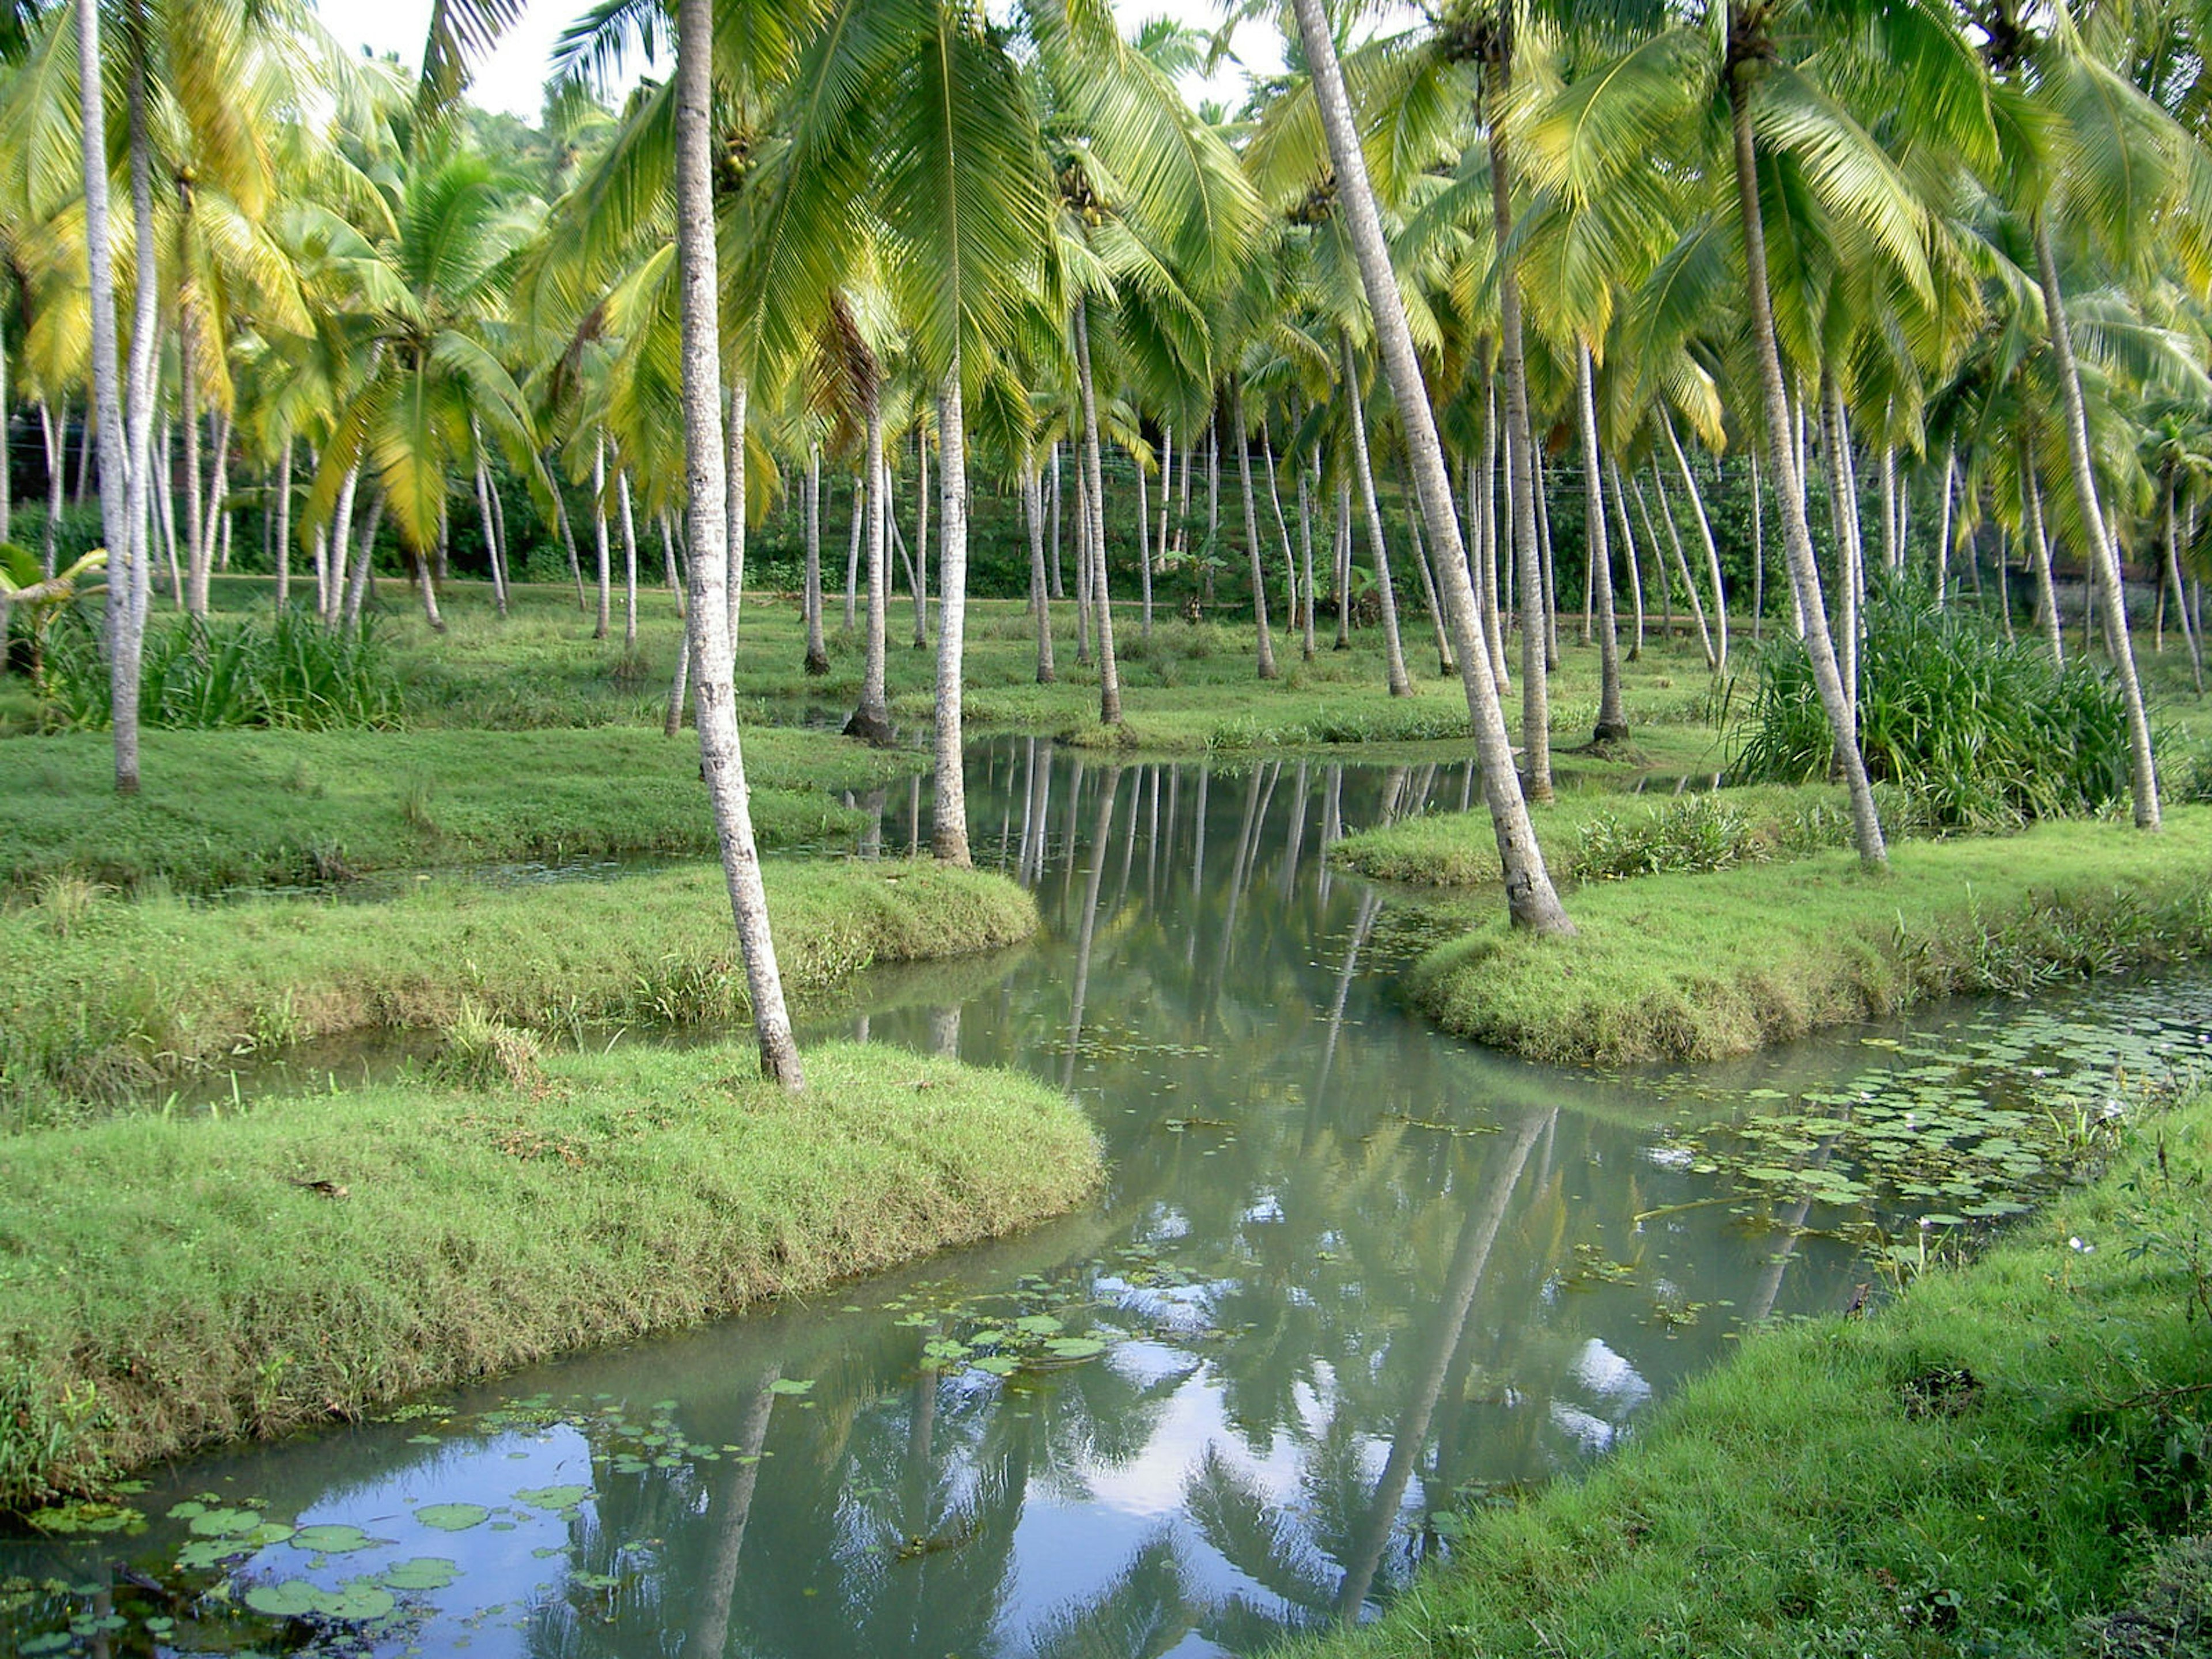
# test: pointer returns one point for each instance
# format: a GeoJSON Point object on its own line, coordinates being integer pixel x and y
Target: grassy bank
{"type": "Point", "coordinates": [170, 1283]}
{"type": "Point", "coordinates": [1972, 1469]}
{"type": "Point", "coordinates": [1699, 966]}
{"type": "Point", "coordinates": [230, 808]}
{"type": "Point", "coordinates": [1595, 836]}
{"type": "Point", "coordinates": [103, 996]}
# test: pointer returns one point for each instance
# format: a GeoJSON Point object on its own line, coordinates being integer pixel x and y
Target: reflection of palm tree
{"type": "Point", "coordinates": [1090, 925]}
{"type": "Point", "coordinates": [1371, 906]}
{"type": "Point", "coordinates": [1477, 1233]}
{"type": "Point", "coordinates": [732, 1508]}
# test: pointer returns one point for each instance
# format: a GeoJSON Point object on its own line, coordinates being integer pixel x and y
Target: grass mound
{"type": "Point", "coordinates": [104, 997]}
{"type": "Point", "coordinates": [1695, 967]}
{"type": "Point", "coordinates": [173, 1282]}
{"type": "Point", "coordinates": [1973, 1470]}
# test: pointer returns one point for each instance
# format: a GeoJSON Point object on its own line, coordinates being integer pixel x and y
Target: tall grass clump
{"type": "Point", "coordinates": [1976, 731]}
{"type": "Point", "coordinates": [288, 670]}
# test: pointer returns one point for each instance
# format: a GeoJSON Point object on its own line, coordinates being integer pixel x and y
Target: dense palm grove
{"type": "Point", "coordinates": [1494, 326]}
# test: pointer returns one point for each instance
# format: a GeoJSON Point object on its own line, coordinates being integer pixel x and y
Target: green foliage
{"type": "Point", "coordinates": [1978, 730]}
{"type": "Point", "coordinates": [350, 1249]}
{"type": "Point", "coordinates": [1694, 833]}
{"type": "Point", "coordinates": [287, 671]}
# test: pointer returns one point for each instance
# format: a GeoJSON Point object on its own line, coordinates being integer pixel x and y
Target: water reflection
{"type": "Point", "coordinates": [1346, 1274]}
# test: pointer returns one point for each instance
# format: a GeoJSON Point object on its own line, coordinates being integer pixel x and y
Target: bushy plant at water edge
{"type": "Point", "coordinates": [1976, 730]}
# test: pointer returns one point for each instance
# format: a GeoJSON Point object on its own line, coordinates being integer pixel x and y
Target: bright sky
{"type": "Point", "coordinates": [513, 77]}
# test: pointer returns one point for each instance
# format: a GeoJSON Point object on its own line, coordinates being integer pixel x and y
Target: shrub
{"type": "Point", "coordinates": [1694, 834]}
{"type": "Point", "coordinates": [287, 671]}
{"type": "Point", "coordinates": [1975, 730]}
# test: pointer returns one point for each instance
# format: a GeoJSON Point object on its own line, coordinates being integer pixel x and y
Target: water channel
{"type": "Point", "coordinates": [1348, 1276]}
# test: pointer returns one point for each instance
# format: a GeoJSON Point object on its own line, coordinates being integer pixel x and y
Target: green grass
{"type": "Point", "coordinates": [171, 1282]}
{"type": "Point", "coordinates": [1459, 849]}
{"type": "Point", "coordinates": [223, 809]}
{"type": "Point", "coordinates": [1971, 1469]}
{"type": "Point", "coordinates": [1694, 967]}
{"type": "Point", "coordinates": [105, 997]}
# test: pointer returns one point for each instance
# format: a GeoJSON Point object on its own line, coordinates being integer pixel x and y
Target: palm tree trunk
{"type": "Point", "coordinates": [871, 721]}
{"type": "Point", "coordinates": [188, 392]}
{"type": "Point", "coordinates": [2180, 594]}
{"type": "Point", "coordinates": [629, 560]}
{"type": "Point", "coordinates": [54, 421]}
{"type": "Point", "coordinates": [1040, 595]}
{"type": "Point", "coordinates": [1109, 678]}
{"type": "Point", "coordinates": [283, 549]}
{"type": "Point", "coordinates": [122, 643]}
{"type": "Point", "coordinates": [1446, 668]}
{"type": "Point", "coordinates": [1719, 643]}
{"type": "Point", "coordinates": [1796, 535]}
{"type": "Point", "coordinates": [1243, 441]}
{"type": "Point", "coordinates": [1082, 569]}
{"type": "Point", "coordinates": [817, 649]}
{"type": "Point", "coordinates": [1394, 655]}
{"type": "Point", "coordinates": [491, 538]}
{"type": "Point", "coordinates": [1943, 532]}
{"type": "Point", "coordinates": [917, 568]}
{"type": "Point", "coordinates": [1520, 473]}
{"type": "Point", "coordinates": [1682, 563]}
{"type": "Point", "coordinates": [1341, 576]}
{"type": "Point", "coordinates": [1758, 552]}
{"type": "Point", "coordinates": [1530, 899]}
{"type": "Point", "coordinates": [1611, 720]}
{"type": "Point", "coordinates": [1493, 611]}
{"type": "Point", "coordinates": [1143, 551]}
{"type": "Point", "coordinates": [734, 486]}
{"type": "Point", "coordinates": [1544, 546]}
{"type": "Point", "coordinates": [2104, 558]}
{"type": "Point", "coordinates": [853, 548]}
{"type": "Point", "coordinates": [720, 758]}
{"type": "Point", "coordinates": [1844, 509]}
{"type": "Point", "coordinates": [2039, 553]}
{"type": "Point", "coordinates": [949, 834]}
{"type": "Point", "coordinates": [568, 541]}
{"type": "Point", "coordinates": [1628, 546]}
{"type": "Point", "coordinates": [603, 624]}
{"type": "Point", "coordinates": [1059, 588]}
{"type": "Point", "coordinates": [1167, 514]}
{"type": "Point", "coordinates": [357, 584]}
{"type": "Point", "coordinates": [1305, 549]}
{"type": "Point", "coordinates": [1282, 532]}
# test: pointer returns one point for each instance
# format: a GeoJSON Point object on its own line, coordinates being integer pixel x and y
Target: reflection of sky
{"type": "Point", "coordinates": [499, 1559]}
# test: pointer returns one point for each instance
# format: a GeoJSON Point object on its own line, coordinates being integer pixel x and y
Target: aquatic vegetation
{"type": "Point", "coordinates": [287, 671]}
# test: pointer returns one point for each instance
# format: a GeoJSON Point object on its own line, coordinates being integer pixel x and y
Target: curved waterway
{"type": "Point", "coordinates": [1348, 1276]}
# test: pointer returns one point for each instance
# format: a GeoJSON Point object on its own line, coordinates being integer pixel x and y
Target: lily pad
{"type": "Point", "coordinates": [423, 1573]}
{"type": "Point", "coordinates": [224, 1524]}
{"type": "Point", "coordinates": [331, 1539]}
{"type": "Point", "coordinates": [553, 1498]}
{"type": "Point", "coordinates": [290, 1598]}
{"type": "Point", "coordinates": [790, 1385]}
{"type": "Point", "coordinates": [452, 1517]}
{"type": "Point", "coordinates": [1074, 1348]}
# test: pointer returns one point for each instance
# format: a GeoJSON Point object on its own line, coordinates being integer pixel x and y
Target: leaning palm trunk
{"type": "Point", "coordinates": [2039, 553]}
{"type": "Point", "coordinates": [629, 560]}
{"type": "Point", "coordinates": [1267, 658]}
{"type": "Point", "coordinates": [1789, 490]}
{"type": "Point", "coordinates": [2180, 593]}
{"type": "Point", "coordinates": [1109, 678]}
{"type": "Point", "coordinates": [605, 619]}
{"type": "Point", "coordinates": [720, 758]}
{"type": "Point", "coordinates": [1628, 547]}
{"type": "Point", "coordinates": [1612, 721]}
{"type": "Point", "coordinates": [949, 836]}
{"type": "Point", "coordinates": [1530, 899]}
{"type": "Point", "coordinates": [1719, 642]}
{"type": "Point", "coordinates": [1682, 564]}
{"type": "Point", "coordinates": [1394, 655]}
{"type": "Point", "coordinates": [2105, 562]}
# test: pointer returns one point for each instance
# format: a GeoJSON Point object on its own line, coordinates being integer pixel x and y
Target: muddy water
{"type": "Point", "coordinates": [1347, 1278]}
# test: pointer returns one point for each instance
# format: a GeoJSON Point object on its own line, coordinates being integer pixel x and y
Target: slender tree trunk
{"type": "Point", "coordinates": [1243, 441]}
{"type": "Point", "coordinates": [1109, 678]}
{"type": "Point", "coordinates": [1282, 532]}
{"type": "Point", "coordinates": [1144, 552]}
{"type": "Point", "coordinates": [1530, 899]}
{"type": "Point", "coordinates": [1717, 646]}
{"type": "Point", "coordinates": [1341, 577]}
{"type": "Point", "coordinates": [735, 486]}
{"type": "Point", "coordinates": [2103, 557]}
{"type": "Point", "coordinates": [1842, 496]}
{"type": "Point", "coordinates": [817, 648]}
{"type": "Point", "coordinates": [720, 757]}
{"type": "Point", "coordinates": [852, 544]}
{"type": "Point", "coordinates": [1401, 683]}
{"type": "Point", "coordinates": [1487, 558]}
{"type": "Point", "coordinates": [122, 642]}
{"type": "Point", "coordinates": [2180, 594]}
{"type": "Point", "coordinates": [871, 721]}
{"type": "Point", "coordinates": [1628, 546]}
{"type": "Point", "coordinates": [1445, 667]}
{"type": "Point", "coordinates": [1682, 564]}
{"type": "Point", "coordinates": [917, 570]}
{"type": "Point", "coordinates": [283, 547]}
{"type": "Point", "coordinates": [1167, 514]}
{"type": "Point", "coordinates": [1212, 506]}
{"type": "Point", "coordinates": [491, 538]}
{"type": "Point", "coordinates": [1305, 549]}
{"type": "Point", "coordinates": [630, 559]}
{"type": "Point", "coordinates": [188, 392]}
{"type": "Point", "coordinates": [1611, 720]}
{"type": "Point", "coordinates": [55, 423]}
{"type": "Point", "coordinates": [1059, 591]}
{"type": "Point", "coordinates": [605, 623]}
{"type": "Point", "coordinates": [1944, 532]}
{"type": "Point", "coordinates": [568, 541]}
{"type": "Point", "coordinates": [1796, 536]}
{"type": "Point", "coordinates": [1758, 552]}
{"type": "Point", "coordinates": [357, 585]}
{"type": "Point", "coordinates": [2038, 552]}
{"type": "Point", "coordinates": [1040, 596]}
{"type": "Point", "coordinates": [949, 836]}
{"type": "Point", "coordinates": [1082, 566]}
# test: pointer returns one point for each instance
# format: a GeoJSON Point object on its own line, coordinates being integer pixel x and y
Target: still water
{"type": "Point", "coordinates": [1347, 1277]}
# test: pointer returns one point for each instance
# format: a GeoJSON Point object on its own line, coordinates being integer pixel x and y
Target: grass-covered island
{"type": "Point", "coordinates": [172, 1280]}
